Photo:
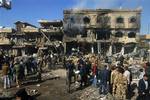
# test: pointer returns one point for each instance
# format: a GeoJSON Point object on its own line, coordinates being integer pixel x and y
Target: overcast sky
{"type": "Point", "coordinates": [33, 10]}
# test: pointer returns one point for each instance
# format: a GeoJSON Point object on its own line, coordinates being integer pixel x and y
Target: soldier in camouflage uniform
{"type": "Point", "coordinates": [114, 73]}
{"type": "Point", "coordinates": [121, 85]}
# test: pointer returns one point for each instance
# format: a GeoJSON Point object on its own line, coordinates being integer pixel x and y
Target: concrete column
{"type": "Point", "coordinates": [122, 50]}
{"type": "Point", "coordinates": [110, 50]}
{"type": "Point", "coordinates": [92, 49]}
{"type": "Point", "coordinates": [23, 52]}
{"type": "Point", "coordinates": [98, 47]}
{"type": "Point", "coordinates": [135, 49]}
{"type": "Point", "coordinates": [65, 47]}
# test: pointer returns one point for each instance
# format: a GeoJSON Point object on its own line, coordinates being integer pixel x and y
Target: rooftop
{"type": "Point", "coordinates": [77, 10]}
{"type": "Point", "coordinates": [56, 23]}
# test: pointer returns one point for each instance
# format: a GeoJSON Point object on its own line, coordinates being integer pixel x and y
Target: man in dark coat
{"type": "Point", "coordinates": [70, 68]}
{"type": "Point", "coordinates": [105, 79]}
{"type": "Point", "coordinates": [83, 75]}
{"type": "Point", "coordinates": [143, 88]}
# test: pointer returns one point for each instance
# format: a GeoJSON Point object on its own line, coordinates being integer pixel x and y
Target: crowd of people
{"type": "Point", "coordinates": [15, 69]}
{"type": "Point", "coordinates": [114, 78]}
{"type": "Point", "coordinates": [108, 77]}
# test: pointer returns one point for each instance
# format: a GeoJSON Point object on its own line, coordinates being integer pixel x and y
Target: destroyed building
{"type": "Point", "coordinates": [52, 35]}
{"type": "Point", "coordinates": [104, 31]}
{"type": "Point", "coordinates": [5, 42]}
{"type": "Point", "coordinates": [27, 39]}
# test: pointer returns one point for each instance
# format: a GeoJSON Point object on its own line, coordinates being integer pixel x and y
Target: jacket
{"type": "Point", "coordinates": [142, 86]}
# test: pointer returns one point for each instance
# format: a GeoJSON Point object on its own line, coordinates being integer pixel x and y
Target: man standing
{"type": "Point", "coordinates": [70, 68]}
{"type": "Point", "coordinates": [83, 75]}
{"type": "Point", "coordinates": [17, 72]}
{"type": "Point", "coordinates": [5, 69]}
{"type": "Point", "coordinates": [114, 74]}
{"type": "Point", "coordinates": [104, 80]}
{"type": "Point", "coordinates": [143, 88]}
{"type": "Point", "coordinates": [121, 85]}
{"type": "Point", "coordinates": [127, 74]}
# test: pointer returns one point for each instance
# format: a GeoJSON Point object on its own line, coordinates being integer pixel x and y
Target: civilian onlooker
{"type": "Point", "coordinates": [17, 72]}
{"type": "Point", "coordinates": [5, 69]}
{"type": "Point", "coordinates": [104, 80]}
{"type": "Point", "coordinates": [83, 75]}
{"type": "Point", "coordinates": [11, 74]}
{"type": "Point", "coordinates": [143, 88]}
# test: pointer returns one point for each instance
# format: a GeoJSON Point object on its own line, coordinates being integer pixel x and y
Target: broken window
{"type": "Point", "coordinates": [103, 21]}
{"type": "Point", "coordinates": [132, 20]}
{"type": "Point", "coordinates": [119, 34]}
{"type": "Point", "coordinates": [84, 34]}
{"type": "Point", "coordinates": [120, 20]}
{"type": "Point", "coordinates": [103, 34]}
{"type": "Point", "coordinates": [132, 35]}
{"type": "Point", "coordinates": [72, 20]}
{"type": "Point", "coordinates": [86, 20]}
{"type": "Point", "coordinates": [104, 48]}
{"type": "Point", "coordinates": [71, 45]}
{"type": "Point", "coordinates": [117, 47]}
{"type": "Point", "coordinates": [129, 47]}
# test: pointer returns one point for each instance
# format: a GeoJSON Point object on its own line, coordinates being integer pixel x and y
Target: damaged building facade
{"type": "Point", "coordinates": [100, 31]}
{"type": "Point", "coordinates": [103, 31]}
{"type": "Point", "coordinates": [27, 39]}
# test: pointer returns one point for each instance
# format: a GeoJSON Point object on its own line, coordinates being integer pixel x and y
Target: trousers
{"type": "Point", "coordinates": [6, 81]}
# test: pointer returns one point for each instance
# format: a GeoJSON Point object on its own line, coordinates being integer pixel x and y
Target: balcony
{"type": "Point", "coordinates": [126, 40]}
{"type": "Point", "coordinates": [133, 25]}
{"type": "Point", "coordinates": [29, 30]}
{"type": "Point", "coordinates": [120, 25]}
{"type": "Point", "coordinates": [4, 41]}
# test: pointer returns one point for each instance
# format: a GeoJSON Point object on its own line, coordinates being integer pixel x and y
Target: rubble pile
{"type": "Point", "coordinates": [47, 76]}
{"type": "Point", "coordinates": [5, 95]}
{"type": "Point", "coordinates": [92, 93]}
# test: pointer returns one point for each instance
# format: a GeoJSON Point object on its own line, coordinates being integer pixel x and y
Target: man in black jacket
{"type": "Point", "coordinates": [143, 88]}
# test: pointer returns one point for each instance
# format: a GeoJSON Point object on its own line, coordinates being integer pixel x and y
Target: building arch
{"type": "Point", "coordinates": [86, 20]}
{"type": "Point", "coordinates": [131, 35]}
{"type": "Point", "coordinates": [120, 19]}
{"type": "Point", "coordinates": [132, 19]}
{"type": "Point", "coordinates": [119, 34]}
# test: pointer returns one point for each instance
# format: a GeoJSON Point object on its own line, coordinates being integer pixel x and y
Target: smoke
{"type": "Point", "coordinates": [107, 4]}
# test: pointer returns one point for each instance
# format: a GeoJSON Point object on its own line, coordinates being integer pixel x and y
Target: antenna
{"type": "Point", "coordinates": [120, 5]}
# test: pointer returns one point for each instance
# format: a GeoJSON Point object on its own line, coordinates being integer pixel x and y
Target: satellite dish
{"type": "Point", "coordinates": [5, 4]}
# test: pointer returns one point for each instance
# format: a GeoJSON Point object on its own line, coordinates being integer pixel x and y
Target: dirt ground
{"type": "Point", "coordinates": [53, 89]}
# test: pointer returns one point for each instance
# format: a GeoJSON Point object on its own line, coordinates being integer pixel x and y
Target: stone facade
{"type": "Point", "coordinates": [103, 31]}
{"type": "Point", "coordinates": [27, 39]}
{"type": "Point", "coordinates": [111, 29]}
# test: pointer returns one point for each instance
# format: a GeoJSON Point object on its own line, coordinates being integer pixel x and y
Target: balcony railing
{"type": "Point", "coordinates": [30, 30]}
{"type": "Point", "coordinates": [133, 25]}
{"type": "Point", "coordinates": [5, 41]}
{"type": "Point", "coordinates": [120, 25]}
